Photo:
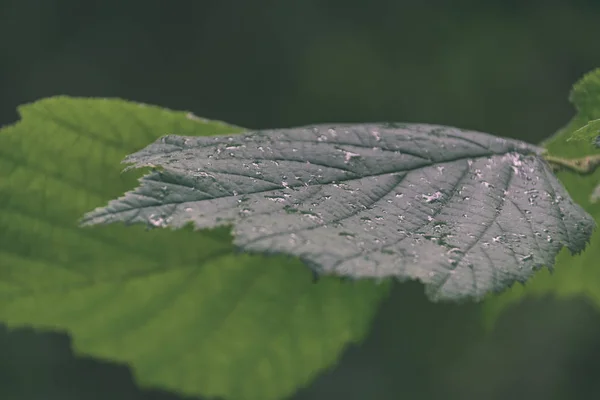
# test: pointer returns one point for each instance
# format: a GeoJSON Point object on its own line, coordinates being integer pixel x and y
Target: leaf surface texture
{"type": "Point", "coordinates": [464, 212]}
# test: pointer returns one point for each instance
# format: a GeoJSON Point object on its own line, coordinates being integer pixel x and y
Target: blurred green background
{"type": "Point", "coordinates": [500, 66]}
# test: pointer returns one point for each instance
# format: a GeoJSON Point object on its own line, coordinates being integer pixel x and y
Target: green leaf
{"type": "Point", "coordinates": [185, 311]}
{"type": "Point", "coordinates": [586, 97]}
{"type": "Point", "coordinates": [573, 276]}
{"type": "Point", "coordinates": [464, 212]}
{"type": "Point", "coordinates": [589, 132]}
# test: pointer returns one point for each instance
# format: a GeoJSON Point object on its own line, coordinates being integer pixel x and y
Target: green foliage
{"type": "Point", "coordinates": [586, 98]}
{"type": "Point", "coordinates": [187, 312]}
{"type": "Point", "coordinates": [181, 308]}
{"type": "Point", "coordinates": [464, 212]}
{"type": "Point", "coordinates": [588, 132]}
{"type": "Point", "coordinates": [573, 276]}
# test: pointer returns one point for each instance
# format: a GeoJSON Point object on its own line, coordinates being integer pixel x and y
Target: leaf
{"type": "Point", "coordinates": [181, 308]}
{"type": "Point", "coordinates": [586, 96]}
{"type": "Point", "coordinates": [573, 276]}
{"type": "Point", "coordinates": [589, 132]}
{"type": "Point", "coordinates": [464, 212]}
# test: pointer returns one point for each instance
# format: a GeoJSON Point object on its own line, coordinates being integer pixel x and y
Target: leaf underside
{"type": "Point", "coordinates": [464, 212]}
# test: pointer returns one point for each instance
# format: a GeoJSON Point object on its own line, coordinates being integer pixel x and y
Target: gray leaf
{"type": "Point", "coordinates": [464, 212]}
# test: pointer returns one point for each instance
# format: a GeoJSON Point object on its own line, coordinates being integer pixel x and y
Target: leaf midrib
{"type": "Point", "coordinates": [145, 179]}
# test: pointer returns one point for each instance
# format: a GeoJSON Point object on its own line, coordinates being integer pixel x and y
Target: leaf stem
{"type": "Point", "coordinates": [584, 165]}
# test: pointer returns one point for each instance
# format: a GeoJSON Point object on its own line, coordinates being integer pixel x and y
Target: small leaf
{"type": "Point", "coordinates": [586, 96]}
{"type": "Point", "coordinates": [181, 308]}
{"type": "Point", "coordinates": [464, 212]}
{"type": "Point", "coordinates": [589, 132]}
{"type": "Point", "coordinates": [573, 276]}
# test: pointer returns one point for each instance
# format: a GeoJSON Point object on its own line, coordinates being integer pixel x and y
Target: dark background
{"type": "Point", "coordinates": [501, 66]}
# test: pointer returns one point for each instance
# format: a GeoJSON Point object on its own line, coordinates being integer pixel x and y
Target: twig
{"type": "Point", "coordinates": [585, 165]}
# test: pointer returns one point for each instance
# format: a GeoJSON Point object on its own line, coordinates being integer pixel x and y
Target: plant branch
{"type": "Point", "coordinates": [584, 165]}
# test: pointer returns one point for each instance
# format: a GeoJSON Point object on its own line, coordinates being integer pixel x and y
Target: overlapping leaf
{"type": "Point", "coordinates": [574, 276]}
{"type": "Point", "coordinates": [180, 307]}
{"type": "Point", "coordinates": [464, 212]}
